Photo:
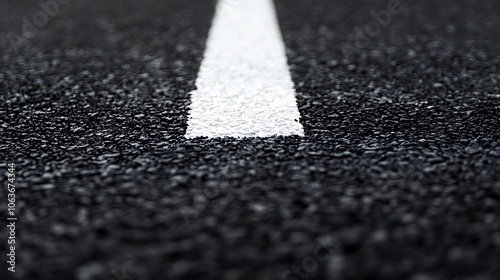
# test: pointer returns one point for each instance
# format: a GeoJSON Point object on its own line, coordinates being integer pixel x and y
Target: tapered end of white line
{"type": "Point", "coordinates": [219, 117]}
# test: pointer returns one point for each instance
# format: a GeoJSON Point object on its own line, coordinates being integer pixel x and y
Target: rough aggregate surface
{"type": "Point", "coordinates": [400, 164]}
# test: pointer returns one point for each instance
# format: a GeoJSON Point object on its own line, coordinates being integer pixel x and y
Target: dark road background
{"type": "Point", "coordinates": [399, 169]}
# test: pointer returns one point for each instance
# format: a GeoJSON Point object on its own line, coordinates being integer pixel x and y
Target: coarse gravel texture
{"type": "Point", "coordinates": [400, 165]}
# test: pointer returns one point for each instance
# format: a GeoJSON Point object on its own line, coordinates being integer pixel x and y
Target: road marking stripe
{"type": "Point", "coordinates": [244, 88]}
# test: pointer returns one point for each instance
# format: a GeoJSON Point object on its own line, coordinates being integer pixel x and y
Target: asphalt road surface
{"type": "Point", "coordinates": [396, 178]}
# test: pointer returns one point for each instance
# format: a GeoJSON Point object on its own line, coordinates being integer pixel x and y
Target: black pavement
{"type": "Point", "coordinates": [398, 176]}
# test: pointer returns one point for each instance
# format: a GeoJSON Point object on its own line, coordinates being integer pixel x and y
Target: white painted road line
{"type": "Point", "coordinates": [244, 88]}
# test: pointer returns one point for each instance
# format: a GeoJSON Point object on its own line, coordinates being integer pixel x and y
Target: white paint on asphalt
{"type": "Point", "coordinates": [244, 88]}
